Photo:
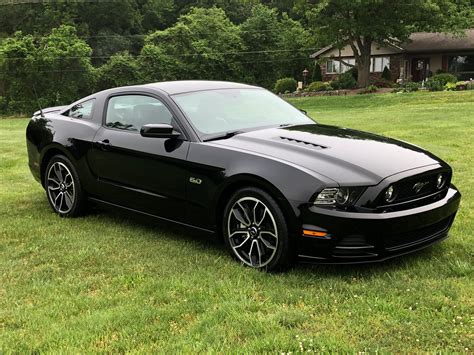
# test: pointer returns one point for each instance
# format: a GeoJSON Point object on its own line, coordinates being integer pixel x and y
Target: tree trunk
{"type": "Point", "coordinates": [363, 69]}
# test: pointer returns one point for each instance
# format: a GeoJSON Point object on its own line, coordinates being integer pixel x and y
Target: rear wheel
{"type": "Point", "coordinates": [255, 230]}
{"type": "Point", "coordinates": [63, 187]}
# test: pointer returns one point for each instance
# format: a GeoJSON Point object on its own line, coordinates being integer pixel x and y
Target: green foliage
{"type": "Point", "coordinates": [444, 78]}
{"type": "Point", "coordinates": [157, 14]}
{"type": "Point", "coordinates": [382, 83]}
{"type": "Point", "coordinates": [368, 90]}
{"type": "Point", "coordinates": [354, 72]}
{"type": "Point", "coordinates": [386, 74]}
{"type": "Point", "coordinates": [3, 105]}
{"type": "Point", "coordinates": [285, 85]}
{"type": "Point", "coordinates": [441, 81]}
{"type": "Point", "coordinates": [317, 75]}
{"type": "Point", "coordinates": [241, 40]}
{"type": "Point", "coordinates": [275, 46]}
{"type": "Point", "coordinates": [66, 72]}
{"type": "Point", "coordinates": [344, 81]}
{"type": "Point", "coordinates": [409, 86]}
{"type": "Point", "coordinates": [319, 86]}
{"type": "Point", "coordinates": [434, 85]}
{"type": "Point", "coordinates": [199, 45]}
{"type": "Point", "coordinates": [364, 22]}
{"type": "Point", "coordinates": [57, 66]}
{"type": "Point", "coordinates": [121, 70]}
{"type": "Point", "coordinates": [450, 86]}
{"type": "Point", "coordinates": [462, 85]}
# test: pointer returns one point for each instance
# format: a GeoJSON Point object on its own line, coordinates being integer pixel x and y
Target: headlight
{"type": "Point", "coordinates": [390, 194]}
{"type": "Point", "coordinates": [340, 196]}
{"type": "Point", "coordinates": [327, 197]}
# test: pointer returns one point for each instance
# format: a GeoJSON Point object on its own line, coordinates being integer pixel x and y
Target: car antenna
{"type": "Point", "coordinates": [38, 102]}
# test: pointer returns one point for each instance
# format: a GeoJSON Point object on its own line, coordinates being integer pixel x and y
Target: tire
{"type": "Point", "coordinates": [63, 187]}
{"type": "Point", "coordinates": [259, 240]}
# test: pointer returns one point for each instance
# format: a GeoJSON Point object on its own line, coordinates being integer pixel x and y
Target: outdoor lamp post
{"type": "Point", "coordinates": [305, 77]}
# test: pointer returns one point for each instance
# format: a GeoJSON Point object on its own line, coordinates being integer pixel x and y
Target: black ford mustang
{"type": "Point", "coordinates": [237, 160]}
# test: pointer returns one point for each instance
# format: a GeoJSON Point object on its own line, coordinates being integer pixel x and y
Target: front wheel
{"type": "Point", "coordinates": [63, 187]}
{"type": "Point", "coordinates": [255, 230]}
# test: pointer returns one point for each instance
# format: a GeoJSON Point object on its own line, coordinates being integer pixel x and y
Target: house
{"type": "Point", "coordinates": [423, 55]}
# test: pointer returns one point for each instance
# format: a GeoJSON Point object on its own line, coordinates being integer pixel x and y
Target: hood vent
{"type": "Point", "coordinates": [297, 141]}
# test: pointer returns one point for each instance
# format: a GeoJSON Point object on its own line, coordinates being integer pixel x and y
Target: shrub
{"type": "Point", "coordinates": [462, 85]}
{"type": "Point", "coordinates": [317, 75]}
{"type": "Point", "coordinates": [319, 86]}
{"type": "Point", "coordinates": [285, 85]}
{"type": "Point", "coordinates": [382, 83]}
{"type": "Point", "coordinates": [450, 86]}
{"type": "Point", "coordinates": [3, 104]}
{"type": "Point", "coordinates": [354, 72]}
{"type": "Point", "coordinates": [344, 81]}
{"type": "Point", "coordinates": [408, 87]}
{"type": "Point", "coordinates": [386, 74]}
{"type": "Point", "coordinates": [444, 78]}
{"type": "Point", "coordinates": [434, 85]}
{"type": "Point", "coordinates": [369, 90]}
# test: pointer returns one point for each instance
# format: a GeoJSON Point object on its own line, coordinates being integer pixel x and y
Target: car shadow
{"type": "Point", "coordinates": [212, 242]}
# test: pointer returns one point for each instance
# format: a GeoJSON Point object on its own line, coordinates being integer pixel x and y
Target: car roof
{"type": "Point", "coordinates": [182, 86]}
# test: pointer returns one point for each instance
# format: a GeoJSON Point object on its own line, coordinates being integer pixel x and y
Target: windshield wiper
{"type": "Point", "coordinates": [223, 136]}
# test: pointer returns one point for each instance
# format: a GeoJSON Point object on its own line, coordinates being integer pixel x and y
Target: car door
{"type": "Point", "coordinates": [142, 173]}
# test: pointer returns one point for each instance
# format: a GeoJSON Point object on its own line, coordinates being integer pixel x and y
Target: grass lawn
{"type": "Point", "coordinates": [107, 282]}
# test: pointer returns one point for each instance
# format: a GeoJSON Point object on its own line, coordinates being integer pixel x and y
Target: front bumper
{"type": "Point", "coordinates": [368, 237]}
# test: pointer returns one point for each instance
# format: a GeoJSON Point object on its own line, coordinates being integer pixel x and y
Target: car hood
{"type": "Point", "coordinates": [347, 156]}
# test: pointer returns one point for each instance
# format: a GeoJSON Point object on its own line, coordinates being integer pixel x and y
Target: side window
{"type": "Point", "coordinates": [131, 112]}
{"type": "Point", "coordinates": [82, 110]}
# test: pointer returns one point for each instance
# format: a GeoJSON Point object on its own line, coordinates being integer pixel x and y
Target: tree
{"type": "Point", "coordinates": [121, 70]}
{"type": "Point", "coordinates": [17, 70]}
{"type": "Point", "coordinates": [260, 37]}
{"type": "Point", "coordinates": [277, 46]}
{"type": "Point", "coordinates": [364, 22]}
{"type": "Point", "coordinates": [296, 44]}
{"type": "Point", "coordinates": [202, 44]}
{"type": "Point", "coordinates": [65, 70]}
{"type": "Point", "coordinates": [57, 67]}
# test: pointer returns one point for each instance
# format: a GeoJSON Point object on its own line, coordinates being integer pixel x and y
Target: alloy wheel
{"type": "Point", "coordinates": [60, 187]}
{"type": "Point", "coordinates": [252, 232]}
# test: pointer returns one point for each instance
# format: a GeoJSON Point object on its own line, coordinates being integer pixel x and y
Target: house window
{"type": "Point", "coordinates": [378, 64]}
{"type": "Point", "coordinates": [462, 66]}
{"type": "Point", "coordinates": [334, 66]}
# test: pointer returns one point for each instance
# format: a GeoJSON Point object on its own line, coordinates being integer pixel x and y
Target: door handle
{"type": "Point", "coordinates": [104, 144]}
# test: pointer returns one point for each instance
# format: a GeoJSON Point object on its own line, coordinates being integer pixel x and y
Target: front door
{"type": "Point", "coordinates": [142, 173]}
{"type": "Point", "coordinates": [420, 69]}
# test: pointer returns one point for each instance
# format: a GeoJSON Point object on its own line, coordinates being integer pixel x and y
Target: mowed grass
{"type": "Point", "coordinates": [112, 282]}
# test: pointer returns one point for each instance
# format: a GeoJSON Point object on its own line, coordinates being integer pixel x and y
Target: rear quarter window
{"type": "Point", "coordinates": [82, 110]}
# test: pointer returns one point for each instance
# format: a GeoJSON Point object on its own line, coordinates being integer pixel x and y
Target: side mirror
{"type": "Point", "coordinates": [161, 130]}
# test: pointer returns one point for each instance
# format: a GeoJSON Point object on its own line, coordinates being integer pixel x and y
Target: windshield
{"type": "Point", "coordinates": [225, 110]}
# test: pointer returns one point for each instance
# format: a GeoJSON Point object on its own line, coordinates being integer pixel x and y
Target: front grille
{"type": "Point", "coordinates": [406, 189]}
{"type": "Point", "coordinates": [416, 188]}
{"type": "Point", "coordinates": [408, 239]}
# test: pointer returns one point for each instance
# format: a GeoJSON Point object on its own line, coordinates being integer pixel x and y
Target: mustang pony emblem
{"type": "Point", "coordinates": [419, 185]}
